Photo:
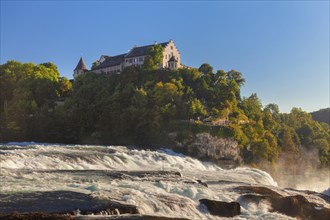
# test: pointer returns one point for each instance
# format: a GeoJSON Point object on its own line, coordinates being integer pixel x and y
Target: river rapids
{"type": "Point", "coordinates": [58, 178]}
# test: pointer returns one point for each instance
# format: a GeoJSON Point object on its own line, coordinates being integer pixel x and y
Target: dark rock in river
{"type": "Point", "coordinates": [34, 216]}
{"type": "Point", "coordinates": [223, 209]}
{"type": "Point", "coordinates": [295, 206]}
{"type": "Point", "coordinates": [55, 216]}
{"type": "Point", "coordinates": [61, 202]}
{"type": "Point", "coordinates": [119, 208]}
{"type": "Point", "coordinates": [202, 183]}
{"type": "Point", "coordinates": [129, 217]}
{"type": "Point", "coordinates": [309, 192]}
{"type": "Point", "coordinates": [298, 206]}
{"type": "Point", "coordinates": [260, 190]}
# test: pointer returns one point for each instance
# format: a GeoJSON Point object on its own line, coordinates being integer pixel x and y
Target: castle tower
{"type": "Point", "coordinates": [173, 63]}
{"type": "Point", "coordinates": [80, 68]}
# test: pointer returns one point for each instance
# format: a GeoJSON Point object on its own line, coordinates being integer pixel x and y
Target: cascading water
{"type": "Point", "coordinates": [160, 183]}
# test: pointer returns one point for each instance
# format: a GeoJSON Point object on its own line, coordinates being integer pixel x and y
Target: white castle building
{"type": "Point", "coordinates": [136, 56]}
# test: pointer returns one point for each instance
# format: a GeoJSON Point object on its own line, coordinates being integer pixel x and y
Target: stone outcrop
{"type": "Point", "coordinates": [295, 206]}
{"type": "Point", "coordinates": [116, 208]}
{"type": "Point", "coordinates": [61, 202]}
{"type": "Point", "coordinates": [222, 209]}
{"type": "Point", "coordinates": [204, 145]}
{"type": "Point", "coordinates": [132, 217]}
{"type": "Point", "coordinates": [55, 216]}
{"type": "Point", "coordinates": [33, 216]}
{"type": "Point", "coordinates": [260, 190]}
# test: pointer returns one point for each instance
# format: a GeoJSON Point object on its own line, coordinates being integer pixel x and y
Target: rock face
{"type": "Point", "coordinates": [117, 208]}
{"type": "Point", "coordinates": [131, 217]}
{"type": "Point", "coordinates": [222, 209]}
{"type": "Point", "coordinates": [295, 206]}
{"type": "Point", "coordinates": [61, 202]}
{"type": "Point", "coordinates": [54, 216]}
{"type": "Point", "coordinates": [298, 206]}
{"type": "Point", "coordinates": [33, 216]}
{"type": "Point", "coordinates": [260, 190]}
{"type": "Point", "coordinates": [204, 145]}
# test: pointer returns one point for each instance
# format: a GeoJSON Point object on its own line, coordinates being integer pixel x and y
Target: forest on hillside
{"type": "Point", "coordinates": [322, 115]}
{"type": "Point", "coordinates": [143, 105]}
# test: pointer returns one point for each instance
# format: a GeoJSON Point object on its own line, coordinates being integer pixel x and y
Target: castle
{"type": "Point", "coordinates": [135, 57]}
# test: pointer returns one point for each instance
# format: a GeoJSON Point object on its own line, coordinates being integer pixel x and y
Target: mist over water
{"type": "Point", "coordinates": [313, 180]}
{"type": "Point", "coordinates": [302, 173]}
{"type": "Point", "coordinates": [157, 182]}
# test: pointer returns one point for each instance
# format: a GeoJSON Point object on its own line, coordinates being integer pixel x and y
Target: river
{"type": "Point", "coordinates": [64, 178]}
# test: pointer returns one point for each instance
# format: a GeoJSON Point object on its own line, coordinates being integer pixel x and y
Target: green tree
{"type": "Point", "coordinates": [252, 107]}
{"type": "Point", "coordinates": [65, 87]}
{"type": "Point", "coordinates": [154, 57]}
{"type": "Point", "coordinates": [28, 92]}
{"type": "Point", "coordinates": [306, 134]}
{"type": "Point", "coordinates": [196, 108]}
{"type": "Point", "coordinates": [206, 69]}
{"type": "Point", "coordinates": [236, 76]}
{"type": "Point", "coordinates": [274, 110]}
{"type": "Point", "coordinates": [288, 140]}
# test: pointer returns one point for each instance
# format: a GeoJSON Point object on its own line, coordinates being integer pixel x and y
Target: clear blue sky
{"type": "Point", "coordinates": [281, 47]}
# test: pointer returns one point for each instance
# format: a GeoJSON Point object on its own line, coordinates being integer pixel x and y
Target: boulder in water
{"type": "Point", "coordinates": [202, 183]}
{"type": "Point", "coordinates": [223, 209]}
{"type": "Point", "coordinates": [260, 190]}
{"type": "Point", "coordinates": [118, 208]}
{"type": "Point", "coordinates": [298, 206]}
{"type": "Point", "coordinates": [34, 215]}
{"type": "Point", "coordinates": [295, 206]}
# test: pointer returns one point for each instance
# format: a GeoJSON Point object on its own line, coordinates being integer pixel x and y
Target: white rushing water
{"type": "Point", "coordinates": [27, 167]}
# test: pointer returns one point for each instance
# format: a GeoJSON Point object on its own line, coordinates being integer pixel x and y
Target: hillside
{"type": "Point", "coordinates": [322, 115]}
{"type": "Point", "coordinates": [196, 110]}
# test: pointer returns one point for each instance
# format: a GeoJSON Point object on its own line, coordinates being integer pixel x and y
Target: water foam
{"type": "Point", "coordinates": [42, 167]}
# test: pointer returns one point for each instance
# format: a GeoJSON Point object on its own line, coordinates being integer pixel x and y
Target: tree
{"type": "Point", "coordinates": [27, 91]}
{"type": "Point", "coordinates": [323, 147]}
{"type": "Point", "coordinates": [288, 140]}
{"type": "Point", "coordinates": [306, 134]}
{"type": "Point", "coordinates": [65, 86]}
{"type": "Point", "coordinates": [236, 76]}
{"type": "Point", "coordinates": [154, 57]}
{"type": "Point", "coordinates": [94, 64]}
{"type": "Point", "coordinates": [252, 107]}
{"type": "Point", "coordinates": [196, 108]}
{"type": "Point", "coordinates": [206, 69]}
{"type": "Point", "coordinates": [274, 110]}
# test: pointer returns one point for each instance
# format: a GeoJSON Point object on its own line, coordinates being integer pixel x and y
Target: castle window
{"type": "Point", "coordinates": [141, 59]}
{"type": "Point", "coordinates": [130, 60]}
{"type": "Point", "coordinates": [171, 47]}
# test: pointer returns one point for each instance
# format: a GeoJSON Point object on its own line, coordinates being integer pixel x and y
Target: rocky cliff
{"type": "Point", "coordinates": [205, 146]}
